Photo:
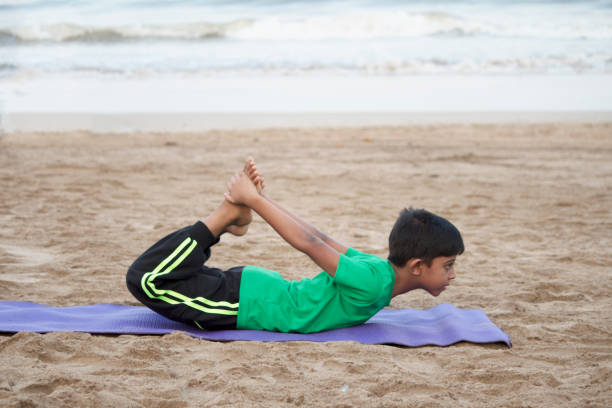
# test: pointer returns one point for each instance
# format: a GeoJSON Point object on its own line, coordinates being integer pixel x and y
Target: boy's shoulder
{"type": "Point", "coordinates": [369, 276]}
{"type": "Point", "coordinates": [355, 259]}
{"type": "Point", "coordinates": [355, 253]}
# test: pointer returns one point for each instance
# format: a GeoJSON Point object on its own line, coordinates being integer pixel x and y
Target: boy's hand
{"type": "Point", "coordinates": [240, 189]}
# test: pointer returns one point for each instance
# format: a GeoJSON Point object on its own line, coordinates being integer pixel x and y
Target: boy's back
{"type": "Point", "coordinates": [362, 286]}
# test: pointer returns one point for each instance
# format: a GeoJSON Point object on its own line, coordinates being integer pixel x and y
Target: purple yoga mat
{"type": "Point", "coordinates": [441, 325]}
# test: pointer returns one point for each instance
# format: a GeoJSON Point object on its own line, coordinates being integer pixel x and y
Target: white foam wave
{"type": "Point", "coordinates": [349, 26]}
{"type": "Point", "coordinates": [68, 32]}
{"type": "Point", "coordinates": [359, 26]}
{"type": "Point", "coordinates": [420, 66]}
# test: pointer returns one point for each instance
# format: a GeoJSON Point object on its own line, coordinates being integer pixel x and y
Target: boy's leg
{"type": "Point", "coordinates": [229, 217]}
{"type": "Point", "coordinates": [171, 279]}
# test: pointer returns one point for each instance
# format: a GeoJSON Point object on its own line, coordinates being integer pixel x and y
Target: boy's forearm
{"type": "Point", "coordinates": [329, 241]}
{"type": "Point", "coordinates": [287, 228]}
{"type": "Point", "coordinates": [296, 234]}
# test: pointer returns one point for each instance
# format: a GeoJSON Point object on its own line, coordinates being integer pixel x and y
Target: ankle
{"type": "Point", "coordinates": [222, 217]}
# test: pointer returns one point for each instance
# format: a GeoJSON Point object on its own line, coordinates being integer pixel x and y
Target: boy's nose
{"type": "Point", "coordinates": [452, 275]}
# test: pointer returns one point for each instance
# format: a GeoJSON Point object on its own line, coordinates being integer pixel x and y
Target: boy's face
{"type": "Point", "coordinates": [436, 277]}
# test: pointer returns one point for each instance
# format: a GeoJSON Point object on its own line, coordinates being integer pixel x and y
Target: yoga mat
{"type": "Point", "coordinates": [441, 325]}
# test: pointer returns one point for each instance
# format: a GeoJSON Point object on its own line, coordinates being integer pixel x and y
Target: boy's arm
{"type": "Point", "coordinates": [328, 240]}
{"type": "Point", "coordinates": [250, 168]}
{"type": "Point", "coordinates": [242, 191]}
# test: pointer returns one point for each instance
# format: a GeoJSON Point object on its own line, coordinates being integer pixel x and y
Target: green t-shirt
{"type": "Point", "coordinates": [361, 287]}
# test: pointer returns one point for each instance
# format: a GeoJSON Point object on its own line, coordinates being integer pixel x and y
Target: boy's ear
{"type": "Point", "coordinates": [414, 266]}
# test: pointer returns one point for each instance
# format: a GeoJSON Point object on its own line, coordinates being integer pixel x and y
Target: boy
{"type": "Point", "coordinates": [171, 278]}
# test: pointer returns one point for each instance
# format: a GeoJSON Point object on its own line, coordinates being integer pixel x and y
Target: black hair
{"type": "Point", "coordinates": [418, 233]}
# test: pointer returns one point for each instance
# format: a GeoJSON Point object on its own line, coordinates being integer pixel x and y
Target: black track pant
{"type": "Point", "coordinates": [171, 279]}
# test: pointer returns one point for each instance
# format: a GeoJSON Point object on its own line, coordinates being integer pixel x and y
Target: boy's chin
{"type": "Point", "coordinates": [436, 292]}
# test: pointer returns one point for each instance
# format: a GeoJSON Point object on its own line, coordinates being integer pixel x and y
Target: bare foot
{"type": "Point", "coordinates": [240, 226]}
{"type": "Point", "coordinates": [250, 169]}
{"type": "Point", "coordinates": [241, 215]}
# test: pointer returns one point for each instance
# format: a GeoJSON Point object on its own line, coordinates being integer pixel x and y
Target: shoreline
{"type": "Point", "coordinates": [203, 121]}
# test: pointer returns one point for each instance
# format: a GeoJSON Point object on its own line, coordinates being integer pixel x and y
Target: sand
{"type": "Point", "coordinates": [533, 201]}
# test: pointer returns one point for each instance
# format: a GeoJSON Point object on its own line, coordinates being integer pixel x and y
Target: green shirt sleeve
{"type": "Point", "coordinates": [358, 275]}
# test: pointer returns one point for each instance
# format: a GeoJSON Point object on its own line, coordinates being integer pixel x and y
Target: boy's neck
{"type": "Point", "coordinates": [404, 281]}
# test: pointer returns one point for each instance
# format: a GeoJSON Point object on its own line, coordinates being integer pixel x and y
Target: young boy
{"type": "Point", "coordinates": [171, 278]}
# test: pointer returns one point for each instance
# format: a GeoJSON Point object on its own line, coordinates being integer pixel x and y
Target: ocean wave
{"type": "Point", "coordinates": [6, 37]}
{"type": "Point", "coordinates": [349, 26]}
{"type": "Point", "coordinates": [7, 70]}
{"type": "Point", "coordinates": [420, 66]}
{"type": "Point", "coordinates": [68, 32]}
{"type": "Point", "coordinates": [8, 67]}
{"type": "Point", "coordinates": [504, 66]}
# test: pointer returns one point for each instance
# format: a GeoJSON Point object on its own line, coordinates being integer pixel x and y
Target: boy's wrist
{"type": "Point", "coordinates": [254, 201]}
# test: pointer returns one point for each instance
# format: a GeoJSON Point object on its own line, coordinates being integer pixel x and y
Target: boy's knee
{"type": "Point", "coordinates": [132, 280]}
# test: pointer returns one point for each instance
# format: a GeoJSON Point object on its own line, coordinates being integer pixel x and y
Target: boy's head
{"type": "Point", "coordinates": [419, 234]}
{"type": "Point", "coordinates": [424, 246]}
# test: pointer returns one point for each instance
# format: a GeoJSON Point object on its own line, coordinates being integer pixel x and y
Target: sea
{"type": "Point", "coordinates": [305, 56]}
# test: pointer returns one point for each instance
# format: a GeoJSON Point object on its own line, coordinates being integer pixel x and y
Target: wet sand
{"type": "Point", "coordinates": [533, 202]}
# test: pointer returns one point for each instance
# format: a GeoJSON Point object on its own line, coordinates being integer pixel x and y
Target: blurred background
{"type": "Point", "coordinates": [275, 56]}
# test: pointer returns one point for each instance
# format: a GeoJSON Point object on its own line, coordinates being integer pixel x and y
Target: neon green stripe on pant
{"type": "Point", "coordinates": [148, 285]}
{"type": "Point", "coordinates": [161, 265]}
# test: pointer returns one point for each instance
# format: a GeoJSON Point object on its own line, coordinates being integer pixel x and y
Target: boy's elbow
{"type": "Point", "coordinates": [308, 242]}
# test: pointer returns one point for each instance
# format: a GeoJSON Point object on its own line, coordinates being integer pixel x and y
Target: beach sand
{"type": "Point", "coordinates": [533, 201]}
